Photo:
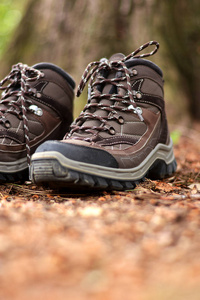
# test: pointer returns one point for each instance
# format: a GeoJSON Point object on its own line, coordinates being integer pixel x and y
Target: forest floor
{"type": "Point", "coordinates": [138, 244]}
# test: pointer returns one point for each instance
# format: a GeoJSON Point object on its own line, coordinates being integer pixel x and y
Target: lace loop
{"type": "Point", "coordinates": [141, 48]}
{"type": "Point", "coordinates": [94, 67]}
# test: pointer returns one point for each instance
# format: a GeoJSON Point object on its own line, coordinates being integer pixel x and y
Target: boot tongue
{"type": "Point", "coordinates": [109, 88]}
{"type": "Point", "coordinates": [116, 57]}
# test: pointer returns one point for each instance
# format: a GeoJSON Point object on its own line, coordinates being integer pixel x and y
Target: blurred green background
{"type": "Point", "coordinates": [11, 12]}
{"type": "Point", "coordinates": [71, 33]}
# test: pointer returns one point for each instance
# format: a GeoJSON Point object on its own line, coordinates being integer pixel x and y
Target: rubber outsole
{"type": "Point", "coordinates": [52, 173]}
{"type": "Point", "coordinates": [16, 171]}
{"type": "Point", "coordinates": [20, 176]}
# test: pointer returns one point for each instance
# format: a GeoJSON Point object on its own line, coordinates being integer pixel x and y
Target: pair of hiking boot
{"type": "Point", "coordinates": [120, 137]}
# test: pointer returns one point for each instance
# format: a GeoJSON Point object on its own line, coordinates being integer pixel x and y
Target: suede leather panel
{"type": "Point", "coordinates": [159, 102]}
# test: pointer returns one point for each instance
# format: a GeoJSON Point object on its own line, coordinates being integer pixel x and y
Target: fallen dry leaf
{"type": "Point", "coordinates": [195, 186]}
{"type": "Point", "coordinates": [138, 244]}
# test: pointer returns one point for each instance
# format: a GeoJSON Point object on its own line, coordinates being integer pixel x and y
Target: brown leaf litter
{"type": "Point", "coordinates": [138, 244]}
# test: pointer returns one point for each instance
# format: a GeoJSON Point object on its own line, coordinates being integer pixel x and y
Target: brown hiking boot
{"type": "Point", "coordinates": [35, 106]}
{"type": "Point", "coordinates": [121, 136]}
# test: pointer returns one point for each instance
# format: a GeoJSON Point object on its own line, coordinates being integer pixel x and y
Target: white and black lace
{"type": "Point", "coordinates": [122, 80]}
{"type": "Point", "coordinates": [14, 97]}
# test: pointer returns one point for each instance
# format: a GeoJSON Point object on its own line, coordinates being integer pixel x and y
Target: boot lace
{"type": "Point", "coordinates": [14, 98]}
{"type": "Point", "coordinates": [93, 72]}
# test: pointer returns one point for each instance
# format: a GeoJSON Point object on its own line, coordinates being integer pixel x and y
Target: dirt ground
{"type": "Point", "coordinates": [139, 244]}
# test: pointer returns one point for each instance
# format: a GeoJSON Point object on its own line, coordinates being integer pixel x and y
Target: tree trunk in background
{"type": "Point", "coordinates": [180, 28]}
{"type": "Point", "coordinates": [71, 33]}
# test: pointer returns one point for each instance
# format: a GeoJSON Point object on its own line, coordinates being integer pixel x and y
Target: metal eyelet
{"type": "Point", "coordinates": [112, 130]}
{"type": "Point", "coordinates": [139, 110]}
{"type": "Point", "coordinates": [20, 116]}
{"type": "Point", "coordinates": [121, 120]}
{"type": "Point", "coordinates": [7, 124]}
{"type": "Point", "coordinates": [138, 95]}
{"type": "Point", "coordinates": [36, 110]}
{"type": "Point", "coordinates": [134, 72]}
{"type": "Point", "coordinates": [38, 95]}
